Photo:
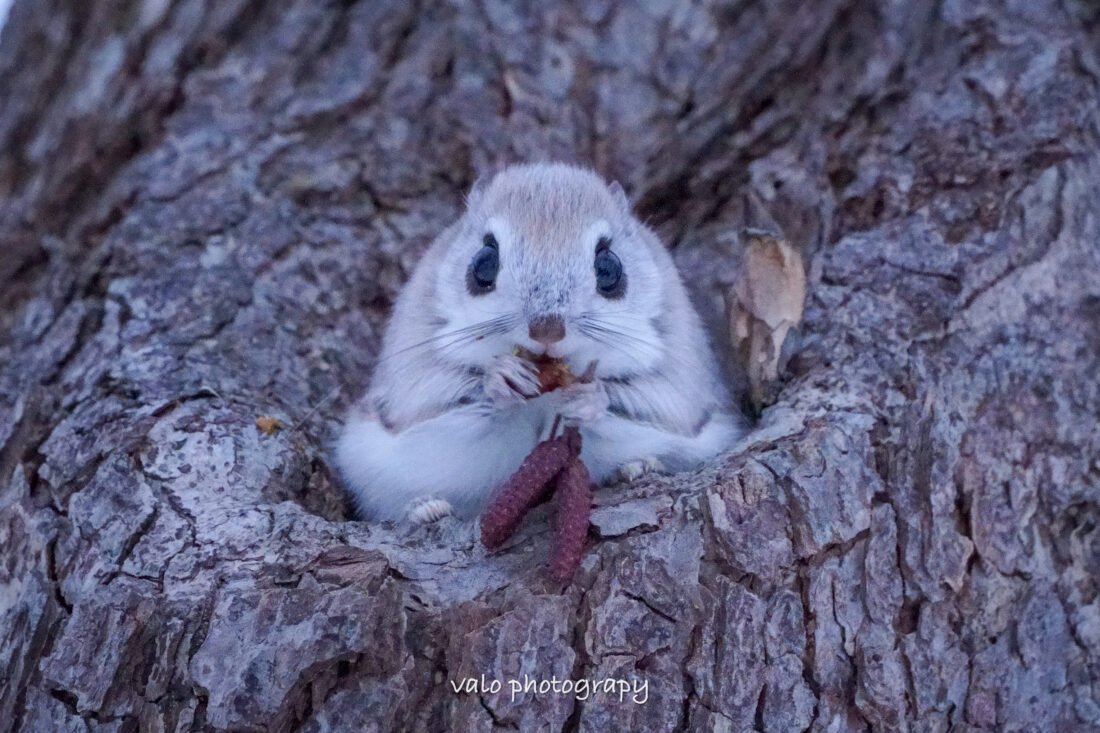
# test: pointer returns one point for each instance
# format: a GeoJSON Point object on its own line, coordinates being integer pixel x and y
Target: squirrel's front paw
{"type": "Point", "coordinates": [636, 469]}
{"type": "Point", "coordinates": [584, 401]}
{"type": "Point", "coordinates": [510, 380]}
{"type": "Point", "coordinates": [425, 511]}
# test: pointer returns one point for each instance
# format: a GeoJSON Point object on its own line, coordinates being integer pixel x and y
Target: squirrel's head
{"type": "Point", "coordinates": [549, 257]}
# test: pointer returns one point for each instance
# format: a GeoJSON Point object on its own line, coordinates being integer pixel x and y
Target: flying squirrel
{"type": "Point", "coordinates": [546, 262]}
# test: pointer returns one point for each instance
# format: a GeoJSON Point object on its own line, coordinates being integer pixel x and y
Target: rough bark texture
{"type": "Point", "coordinates": [207, 207]}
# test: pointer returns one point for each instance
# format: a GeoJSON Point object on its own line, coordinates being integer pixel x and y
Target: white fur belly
{"type": "Point", "coordinates": [611, 442]}
{"type": "Point", "coordinates": [462, 456]}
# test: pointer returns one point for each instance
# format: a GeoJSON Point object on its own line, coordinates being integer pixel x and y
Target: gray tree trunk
{"type": "Point", "coordinates": [206, 209]}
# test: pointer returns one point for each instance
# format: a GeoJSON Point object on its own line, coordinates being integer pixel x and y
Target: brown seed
{"type": "Point", "coordinates": [553, 373]}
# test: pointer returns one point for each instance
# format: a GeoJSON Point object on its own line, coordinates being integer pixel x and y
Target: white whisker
{"type": "Point", "coordinates": [458, 336]}
{"type": "Point", "coordinates": [625, 339]}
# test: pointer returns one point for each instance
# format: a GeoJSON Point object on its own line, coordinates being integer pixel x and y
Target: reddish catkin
{"type": "Point", "coordinates": [522, 490]}
{"type": "Point", "coordinates": [574, 490]}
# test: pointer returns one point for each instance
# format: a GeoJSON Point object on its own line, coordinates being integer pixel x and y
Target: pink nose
{"type": "Point", "coordinates": [547, 329]}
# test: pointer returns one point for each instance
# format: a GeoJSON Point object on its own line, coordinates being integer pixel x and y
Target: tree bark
{"type": "Point", "coordinates": [206, 209]}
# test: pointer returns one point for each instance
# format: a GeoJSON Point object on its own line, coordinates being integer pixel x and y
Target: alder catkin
{"type": "Point", "coordinates": [552, 463]}
{"type": "Point", "coordinates": [522, 490]}
{"type": "Point", "coordinates": [574, 493]}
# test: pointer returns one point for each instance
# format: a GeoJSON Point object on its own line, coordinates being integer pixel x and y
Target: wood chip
{"type": "Point", "coordinates": [765, 304]}
{"type": "Point", "coordinates": [270, 425]}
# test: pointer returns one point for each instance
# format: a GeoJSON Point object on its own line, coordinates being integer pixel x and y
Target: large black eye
{"type": "Point", "coordinates": [610, 281]}
{"type": "Point", "coordinates": [481, 278]}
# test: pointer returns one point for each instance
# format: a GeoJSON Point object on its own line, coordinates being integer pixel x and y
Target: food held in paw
{"type": "Point", "coordinates": [553, 373]}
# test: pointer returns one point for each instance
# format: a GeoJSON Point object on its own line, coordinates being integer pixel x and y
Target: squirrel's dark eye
{"type": "Point", "coordinates": [610, 281]}
{"type": "Point", "coordinates": [481, 277]}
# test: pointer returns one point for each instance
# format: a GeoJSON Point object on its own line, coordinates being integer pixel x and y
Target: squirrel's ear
{"type": "Point", "coordinates": [620, 196]}
{"type": "Point", "coordinates": [477, 191]}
